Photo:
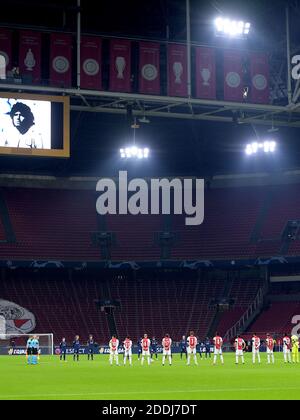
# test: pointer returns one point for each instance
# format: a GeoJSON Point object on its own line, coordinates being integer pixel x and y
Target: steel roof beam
{"type": "Point", "coordinates": [189, 116]}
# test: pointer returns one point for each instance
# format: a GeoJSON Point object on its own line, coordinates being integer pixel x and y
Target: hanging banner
{"type": "Point", "coordinates": [60, 59]}
{"type": "Point", "coordinates": [177, 70]}
{"type": "Point", "coordinates": [205, 73]}
{"type": "Point", "coordinates": [6, 46]}
{"type": "Point", "coordinates": [30, 55]}
{"type": "Point", "coordinates": [149, 81]}
{"type": "Point", "coordinates": [90, 55]}
{"type": "Point", "coordinates": [120, 66]}
{"type": "Point", "coordinates": [259, 71]}
{"type": "Point", "coordinates": [233, 76]}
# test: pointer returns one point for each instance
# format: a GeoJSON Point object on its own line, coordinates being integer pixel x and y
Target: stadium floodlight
{"type": "Point", "coordinates": [268, 146]}
{"type": "Point", "coordinates": [231, 28]}
{"type": "Point", "coordinates": [134, 152]}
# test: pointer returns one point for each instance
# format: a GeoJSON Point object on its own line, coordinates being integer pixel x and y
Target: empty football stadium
{"type": "Point", "coordinates": [149, 200]}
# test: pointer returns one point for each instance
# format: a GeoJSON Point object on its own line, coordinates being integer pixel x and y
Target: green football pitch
{"type": "Point", "coordinates": [88, 380]}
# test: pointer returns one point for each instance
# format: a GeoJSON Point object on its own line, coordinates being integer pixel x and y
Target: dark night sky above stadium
{"type": "Point", "coordinates": [144, 18]}
{"type": "Point", "coordinates": [178, 146]}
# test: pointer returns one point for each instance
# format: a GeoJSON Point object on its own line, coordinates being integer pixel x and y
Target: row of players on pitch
{"type": "Point", "coordinates": [290, 344]}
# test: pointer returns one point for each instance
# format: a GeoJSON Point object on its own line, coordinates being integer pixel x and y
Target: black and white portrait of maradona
{"type": "Point", "coordinates": [25, 124]}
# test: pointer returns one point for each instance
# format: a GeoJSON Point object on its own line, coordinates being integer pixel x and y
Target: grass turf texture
{"type": "Point", "coordinates": [87, 380]}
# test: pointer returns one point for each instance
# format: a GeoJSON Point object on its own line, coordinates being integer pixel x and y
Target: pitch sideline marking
{"type": "Point", "coordinates": [150, 392]}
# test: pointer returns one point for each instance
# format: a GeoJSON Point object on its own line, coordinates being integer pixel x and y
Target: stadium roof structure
{"type": "Point", "coordinates": [165, 21]}
{"type": "Point", "coordinates": [132, 22]}
{"type": "Point", "coordinates": [172, 107]}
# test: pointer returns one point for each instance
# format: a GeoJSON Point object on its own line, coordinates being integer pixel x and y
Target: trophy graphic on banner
{"type": "Point", "coordinates": [120, 66]}
{"type": "Point", "coordinates": [205, 73]}
{"type": "Point", "coordinates": [29, 60]}
{"type": "Point", "coordinates": [178, 70]}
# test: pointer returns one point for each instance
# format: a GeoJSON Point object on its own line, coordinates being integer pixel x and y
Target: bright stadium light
{"type": "Point", "coordinates": [219, 24]}
{"type": "Point", "coordinates": [268, 146]}
{"type": "Point", "coordinates": [248, 149]}
{"type": "Point", "coordinates": [231, 28]}
{"type": "Point", "coordinates": [247, 28]}
{"type": "Point", "coordinates": [134, 152]}
{"type": "Point", "coordinates": [273, 146]}
{"type": "Point", "coordinates": [128, 152]}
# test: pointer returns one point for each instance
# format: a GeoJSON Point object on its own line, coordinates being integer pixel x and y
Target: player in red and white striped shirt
{"type": "Point", "coordinates": [113, 347]}
{"type": "Point", "coordinates": [218, 342]}
{"type": "Point", "coordinates": [127, 344]}
{"type": "Point", "coordinates": [166, 344]}
{"type": "Point", "coordinates": [286, 348]}
{"type": "Point", "coordinates": [191, 347]}
{"type": "Point", "coordinates": [270, 348]}
{"type": "Point", "coordinates": [255, 348]}
{"type": "Point", "coordinates": [145, 349]}
{"type": "Point", "coordinates": [239, 345]}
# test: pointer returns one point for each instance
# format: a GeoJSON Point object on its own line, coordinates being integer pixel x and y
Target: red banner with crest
{"type": "Point", "coordinates": [60, 59]}
{"type": "Point", "coordinates": [259, 71]}
{"type": "Point", "coordinates": [90, 55]}
{"type": "Point", "coordinates": [149, 80]}
{"type": "Point", "coordinates": [233, 76]}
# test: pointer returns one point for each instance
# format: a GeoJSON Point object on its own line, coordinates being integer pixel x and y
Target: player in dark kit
{"type": "Point", "coordinates": [153, 347]}
{"type": "Point", "coordinates": [207, 347]}
{"type": "Point", "coordinates": [139, 347]}
{"type": "Point", "coordinates": [63, 349]}
{"type": "Point", "coordinates": [76, 347]}
{"type": "Point", "coordinates": [199, 347]}
{"type": "Point", "coordinates": [90, 347]}
{"type": "Point", "coordinates": [183, 347]}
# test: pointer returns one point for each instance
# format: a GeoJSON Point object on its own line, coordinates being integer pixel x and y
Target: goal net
{"type": "Point", "coordinates": [15, 344]}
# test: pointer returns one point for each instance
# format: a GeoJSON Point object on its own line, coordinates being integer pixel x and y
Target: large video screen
{"type": "Point", "coordinates": [34, 125]}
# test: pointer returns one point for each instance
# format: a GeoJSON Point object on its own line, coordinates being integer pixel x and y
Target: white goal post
{"type": "Point", "coordinates": [15, 344]}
